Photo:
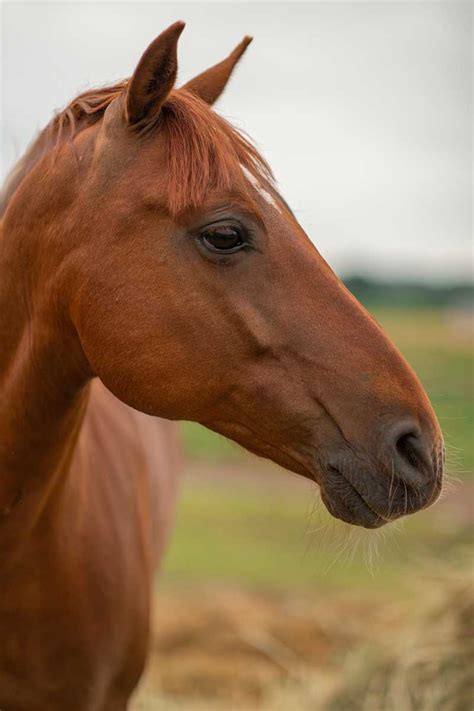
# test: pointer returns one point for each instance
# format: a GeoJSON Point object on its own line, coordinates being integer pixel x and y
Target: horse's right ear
{"type": "Point", "coordinates": [210, 84]}
{"type": "Point", "coordinates": [154, 77]}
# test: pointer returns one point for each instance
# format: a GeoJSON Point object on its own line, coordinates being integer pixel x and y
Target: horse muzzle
{"type": "Point", "coordinates": [371, 491]}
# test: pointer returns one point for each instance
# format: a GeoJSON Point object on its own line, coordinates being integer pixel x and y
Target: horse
{"type": "Point", "coordinates": [151, 272]}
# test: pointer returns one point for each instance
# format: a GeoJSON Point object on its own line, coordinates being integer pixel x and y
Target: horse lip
{"type": "Point", "coordinates": [350, 510]}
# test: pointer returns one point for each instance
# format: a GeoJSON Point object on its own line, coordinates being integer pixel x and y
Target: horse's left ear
{"type": "Point", "coordinates": [154, 77]}
{"type": "Point", "coordinates": [210, 84]}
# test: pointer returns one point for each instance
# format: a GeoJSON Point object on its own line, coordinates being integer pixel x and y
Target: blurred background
{"type": "Point", "coordinates": [364, 111]}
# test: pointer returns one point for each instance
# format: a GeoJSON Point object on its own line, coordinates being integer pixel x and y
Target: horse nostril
{"type": "Point", "coordinates": [413, 455]}
{"type": "Point", "coordinates": [406, 447]}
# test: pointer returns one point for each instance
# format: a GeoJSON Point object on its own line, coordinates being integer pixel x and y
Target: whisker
{"type": "Point", "coordinates": [390, 500]}
{"type": "Point", "coordinates": [405, 508]}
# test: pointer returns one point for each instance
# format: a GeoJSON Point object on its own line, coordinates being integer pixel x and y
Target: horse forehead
{"type": "Point", "coordinates": [261, 190]}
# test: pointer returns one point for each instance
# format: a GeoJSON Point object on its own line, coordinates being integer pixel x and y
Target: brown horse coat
{"type": "Point", "coordinates": [76, 595]}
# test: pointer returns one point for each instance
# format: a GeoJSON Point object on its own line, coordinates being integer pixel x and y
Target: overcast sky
{"type": "Point", "coordinates": [363, 110]}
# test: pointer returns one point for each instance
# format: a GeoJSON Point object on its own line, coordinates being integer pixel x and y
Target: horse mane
{"type": "Point", "coordinates": [203, 149]}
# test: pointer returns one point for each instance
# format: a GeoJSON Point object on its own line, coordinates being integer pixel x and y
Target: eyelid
{"type": "Point", "coordinates": [229, 222]}
{"type": "Point", "coordinates": [247, 232]}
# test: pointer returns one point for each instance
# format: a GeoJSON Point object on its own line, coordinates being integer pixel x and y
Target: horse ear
{"type": "Point", "coordinates": [154, 76]}
{"type": "Point", "coordinates": [210, 84]}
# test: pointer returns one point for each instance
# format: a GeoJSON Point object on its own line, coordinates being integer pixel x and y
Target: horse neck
{"type": "Point", "coordinates": [43, 373]}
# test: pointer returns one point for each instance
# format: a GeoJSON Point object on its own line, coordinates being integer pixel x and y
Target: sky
{"type": "Point", "coordinates": [363, 109]}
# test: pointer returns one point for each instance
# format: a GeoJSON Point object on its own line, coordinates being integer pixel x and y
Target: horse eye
{"type": "Point", "coordinates": [223, 238]}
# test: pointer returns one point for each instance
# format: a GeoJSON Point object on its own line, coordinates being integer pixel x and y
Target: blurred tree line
{"type": "Point", "coordinates": [406, 294]}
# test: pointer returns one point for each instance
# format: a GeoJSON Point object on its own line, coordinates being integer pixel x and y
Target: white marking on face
{"type": "Point", "coordinates": [260, 189]}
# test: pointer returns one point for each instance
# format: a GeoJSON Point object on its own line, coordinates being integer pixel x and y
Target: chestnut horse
{"type": "Point", "coordinates": [149, 268]}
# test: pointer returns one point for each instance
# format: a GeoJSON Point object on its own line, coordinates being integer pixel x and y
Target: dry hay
{"type": "Point", "coordinates": [428, 666]}
{"type": "Point", "coordinates": [237, 650]}
{"type": "Point", "coordinates": [234, 645]}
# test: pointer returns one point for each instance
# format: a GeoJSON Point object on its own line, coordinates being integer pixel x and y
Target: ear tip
{"type": "Point", "coordinates": [244, 44]}
{"type": "Point", "coordinates": [241, 47]}
{"type": "Point", "coordinates": [177, 27]}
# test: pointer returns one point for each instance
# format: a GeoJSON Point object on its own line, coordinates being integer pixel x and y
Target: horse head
{"type": "Point", "coordinates": [195, 294]}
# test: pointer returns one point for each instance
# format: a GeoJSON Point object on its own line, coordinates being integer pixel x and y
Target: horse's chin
{"type": "Point", "coordinates": [345, 503]}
